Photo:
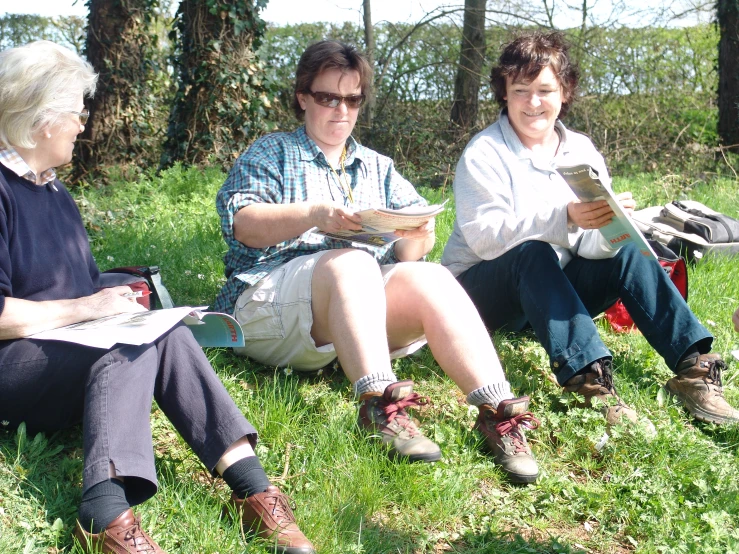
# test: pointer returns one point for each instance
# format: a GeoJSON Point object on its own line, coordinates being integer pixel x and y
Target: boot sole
{"type": "Point", "coordinates": [696, 411]}
{"type": "Point", "coordinates": [522, 479]}
{"type": "Point", "coordinates": [426, 458]}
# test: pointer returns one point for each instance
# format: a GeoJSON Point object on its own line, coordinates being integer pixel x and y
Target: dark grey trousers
{"type": "Point", "coordinates": [52, 385]}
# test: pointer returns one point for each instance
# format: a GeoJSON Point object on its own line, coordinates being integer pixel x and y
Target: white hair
{"type": "Point", "coordinates": [39, 82]}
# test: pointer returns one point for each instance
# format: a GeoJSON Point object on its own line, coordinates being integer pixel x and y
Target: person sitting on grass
{"type": "Point", "coordinates": [529, 254]}
{"type": "Point", "coordinates": [735, 320]}
{"type": "Point", "coordinates": [304, 299]}
{"type": "Point", "coordinates": [48, 279]}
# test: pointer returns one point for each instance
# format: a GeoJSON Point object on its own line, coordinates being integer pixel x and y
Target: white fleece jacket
{"type": "Point", "coordinates": [505, 196]}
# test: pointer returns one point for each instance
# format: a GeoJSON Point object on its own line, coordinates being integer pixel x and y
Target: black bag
{"type": "Point", "coordinates": [140, 278]}
{"type": "Point", "coordinates": [689, 229]}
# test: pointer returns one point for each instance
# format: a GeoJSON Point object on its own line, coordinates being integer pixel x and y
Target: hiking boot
{"type": "Point", "coordinates": [697, 386]}
{"type": "Point", "coordinates": [268, 515]}
{"type": "Point", "coordinates": [122, 536]}
{"type": "Point", "coordinates": [596, 386]}
{"type": "Point", "coordinates": [503, 431]}
{"type": "Point", "coordinates": [385, 413]}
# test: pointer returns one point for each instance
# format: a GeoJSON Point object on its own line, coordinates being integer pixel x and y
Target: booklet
{"type": "Point", "coordinates": [379, 224]}
{"type": "Point", "coordinates": [584, 182]}
{"type": "Point", "coordinates": [209, 328]}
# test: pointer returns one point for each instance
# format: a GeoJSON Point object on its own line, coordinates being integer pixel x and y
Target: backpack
{"type": "Point", "coordinates": [689, 229]}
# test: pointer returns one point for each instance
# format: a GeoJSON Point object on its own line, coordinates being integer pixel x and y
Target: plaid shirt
{"type": "Point", "coordinates": [284, 168]}
{"type": "Point", "coordinates": [12, 160]}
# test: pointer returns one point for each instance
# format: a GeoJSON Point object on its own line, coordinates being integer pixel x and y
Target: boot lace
{"type": "Point", "coordinates": [606, 377]}
{"type": "Point", "coordinates": [281, 507]}
{"type": "Point", "coordinates": [714, 372]}
{"type": "Point", "coordinates": [395, 411]}
{"type": "Point", "coordinates": [138, 539]}
{"type": "Point", "coordinates": [513, 427]}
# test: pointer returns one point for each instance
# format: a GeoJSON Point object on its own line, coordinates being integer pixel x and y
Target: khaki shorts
{"type": "Point", "coordinates": [277, 318]}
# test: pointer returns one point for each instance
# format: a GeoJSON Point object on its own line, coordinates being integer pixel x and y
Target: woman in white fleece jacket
{"type": "Point", "coordinates": [530, 254]}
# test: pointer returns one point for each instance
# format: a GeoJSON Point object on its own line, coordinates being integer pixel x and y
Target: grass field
{"type": "Point", "coordinates": [675, 492]}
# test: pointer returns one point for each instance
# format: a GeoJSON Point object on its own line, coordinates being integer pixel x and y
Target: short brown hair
{"type": "Point", "coordinates": [325, 55]}
{"type": "Point", "coordinates": [527, 55]}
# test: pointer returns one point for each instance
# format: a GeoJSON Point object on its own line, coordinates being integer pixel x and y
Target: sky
{"type": "Point", "coordinates": [280, 12]}
{"type": "Point", "coordinates": [283, 12]}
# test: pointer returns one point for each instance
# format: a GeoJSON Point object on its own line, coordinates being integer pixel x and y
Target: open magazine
{"type": "Point", "coordinates": [379, 224]}
{"type": "Point", "coordinates": [584, 182]}
{"type": "Point", "coordinates": [209, 328]}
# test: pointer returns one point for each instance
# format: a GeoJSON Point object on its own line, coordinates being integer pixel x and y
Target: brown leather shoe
{"type": "Point", "coordinates": [697, 386]}
{"type": "Point", "coordinates": [123, 536]}
{"type": "Point", "coordinates": [596, 387]}
{"type": "Point", "coordinates": [268, 515]}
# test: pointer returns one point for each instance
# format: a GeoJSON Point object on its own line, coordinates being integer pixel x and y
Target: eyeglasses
{"type": "Point", "coordinates": [331, 100]}
{"type": "Point", "coordinates": [84, 116]}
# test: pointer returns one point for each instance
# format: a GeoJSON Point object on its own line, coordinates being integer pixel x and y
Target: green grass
{"type": "Point", "coordinates": [676, 492]}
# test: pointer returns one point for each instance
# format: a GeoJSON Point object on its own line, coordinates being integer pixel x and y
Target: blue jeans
{"type": "Point", "coordinates": [527, 287]}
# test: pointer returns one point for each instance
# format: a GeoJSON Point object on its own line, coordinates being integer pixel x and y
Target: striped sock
{"type": "Point", "coordinates": [374, 382]}
{"type": "Point", "coordinates": [490, 394]}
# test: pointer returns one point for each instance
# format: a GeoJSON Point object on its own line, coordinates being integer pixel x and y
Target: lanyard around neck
{"type": "Point", "coordinates": [344, 184]}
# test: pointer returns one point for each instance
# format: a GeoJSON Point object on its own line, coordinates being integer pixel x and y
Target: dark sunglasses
{"type": "Point", "coordinates": [331, 100]}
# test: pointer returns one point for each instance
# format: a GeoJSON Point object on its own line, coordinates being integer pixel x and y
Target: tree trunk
{"type": "Point", "coordinates": [467, 83]}
{"type": "Point", "coordinates": [119, 47]}
{"type": "Point", "coordinates": [221, 100]}
{"type": "Point", "coordinates": [369, 41]}
{"type": "Point", "coordinates": [728, 76]}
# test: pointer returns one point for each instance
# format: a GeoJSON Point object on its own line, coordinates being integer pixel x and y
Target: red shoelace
{"type": "Point", "coordinates": [513, 425]}
{"type": "Point", "coordinates": [396, 409]}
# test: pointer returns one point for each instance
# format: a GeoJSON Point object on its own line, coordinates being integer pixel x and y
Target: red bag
{"type": "Point", "coordinates": [676, 269]}
{"type": "Point", "coordinates": [145, 279]}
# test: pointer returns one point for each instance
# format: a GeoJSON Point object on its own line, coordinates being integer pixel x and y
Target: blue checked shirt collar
{"type": "Point", "coordinates": [309, 150]}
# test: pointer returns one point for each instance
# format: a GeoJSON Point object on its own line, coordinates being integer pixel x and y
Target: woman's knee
{"type": "Point", "coordinates": [533, 250]}
{"type": "Point", "coordinates": [348, 263]}
{"type": "Point", "coordinates": [630, 259]}
{"type": "Point", "coordinates": [420, 274]}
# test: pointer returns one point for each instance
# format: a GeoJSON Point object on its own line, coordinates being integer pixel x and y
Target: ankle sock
{"type": "Point", "coordinates": [374, 382]}
{"type": "Point", "coordinates": [101, 504]}
{"type": "Point", "coordinates": [246, 477]}
{"type": "Point", "coordinates": [490, 394]}
{"type": "Point", "coordinates": [683, 364]}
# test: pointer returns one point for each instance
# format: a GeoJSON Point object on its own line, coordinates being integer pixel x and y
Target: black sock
{"type": "Point", "coordinates": [246, 477]}
{"type": "Point", "coordinates": [101, 504]}
{"type": "Point", "coordinates": [692, 352]}
{"type": "Point", "coordinates": [590, 369]}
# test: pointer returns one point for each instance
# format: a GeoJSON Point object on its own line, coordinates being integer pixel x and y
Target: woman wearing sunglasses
{"type": "Point", "coordinates": [304, 299]}
{"type": "Point", "coordinates": [48, 279]}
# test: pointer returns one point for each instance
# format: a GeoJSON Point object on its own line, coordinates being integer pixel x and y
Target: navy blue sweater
{"type": "Point", "coordinates": [44, 250]}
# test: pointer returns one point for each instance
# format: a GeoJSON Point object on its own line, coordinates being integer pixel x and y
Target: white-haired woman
{"type": "Point", "coordinates": [48, 278]}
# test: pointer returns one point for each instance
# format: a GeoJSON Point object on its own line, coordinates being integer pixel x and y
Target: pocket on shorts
{"type": "Point", "coordinates": [258, 311]}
